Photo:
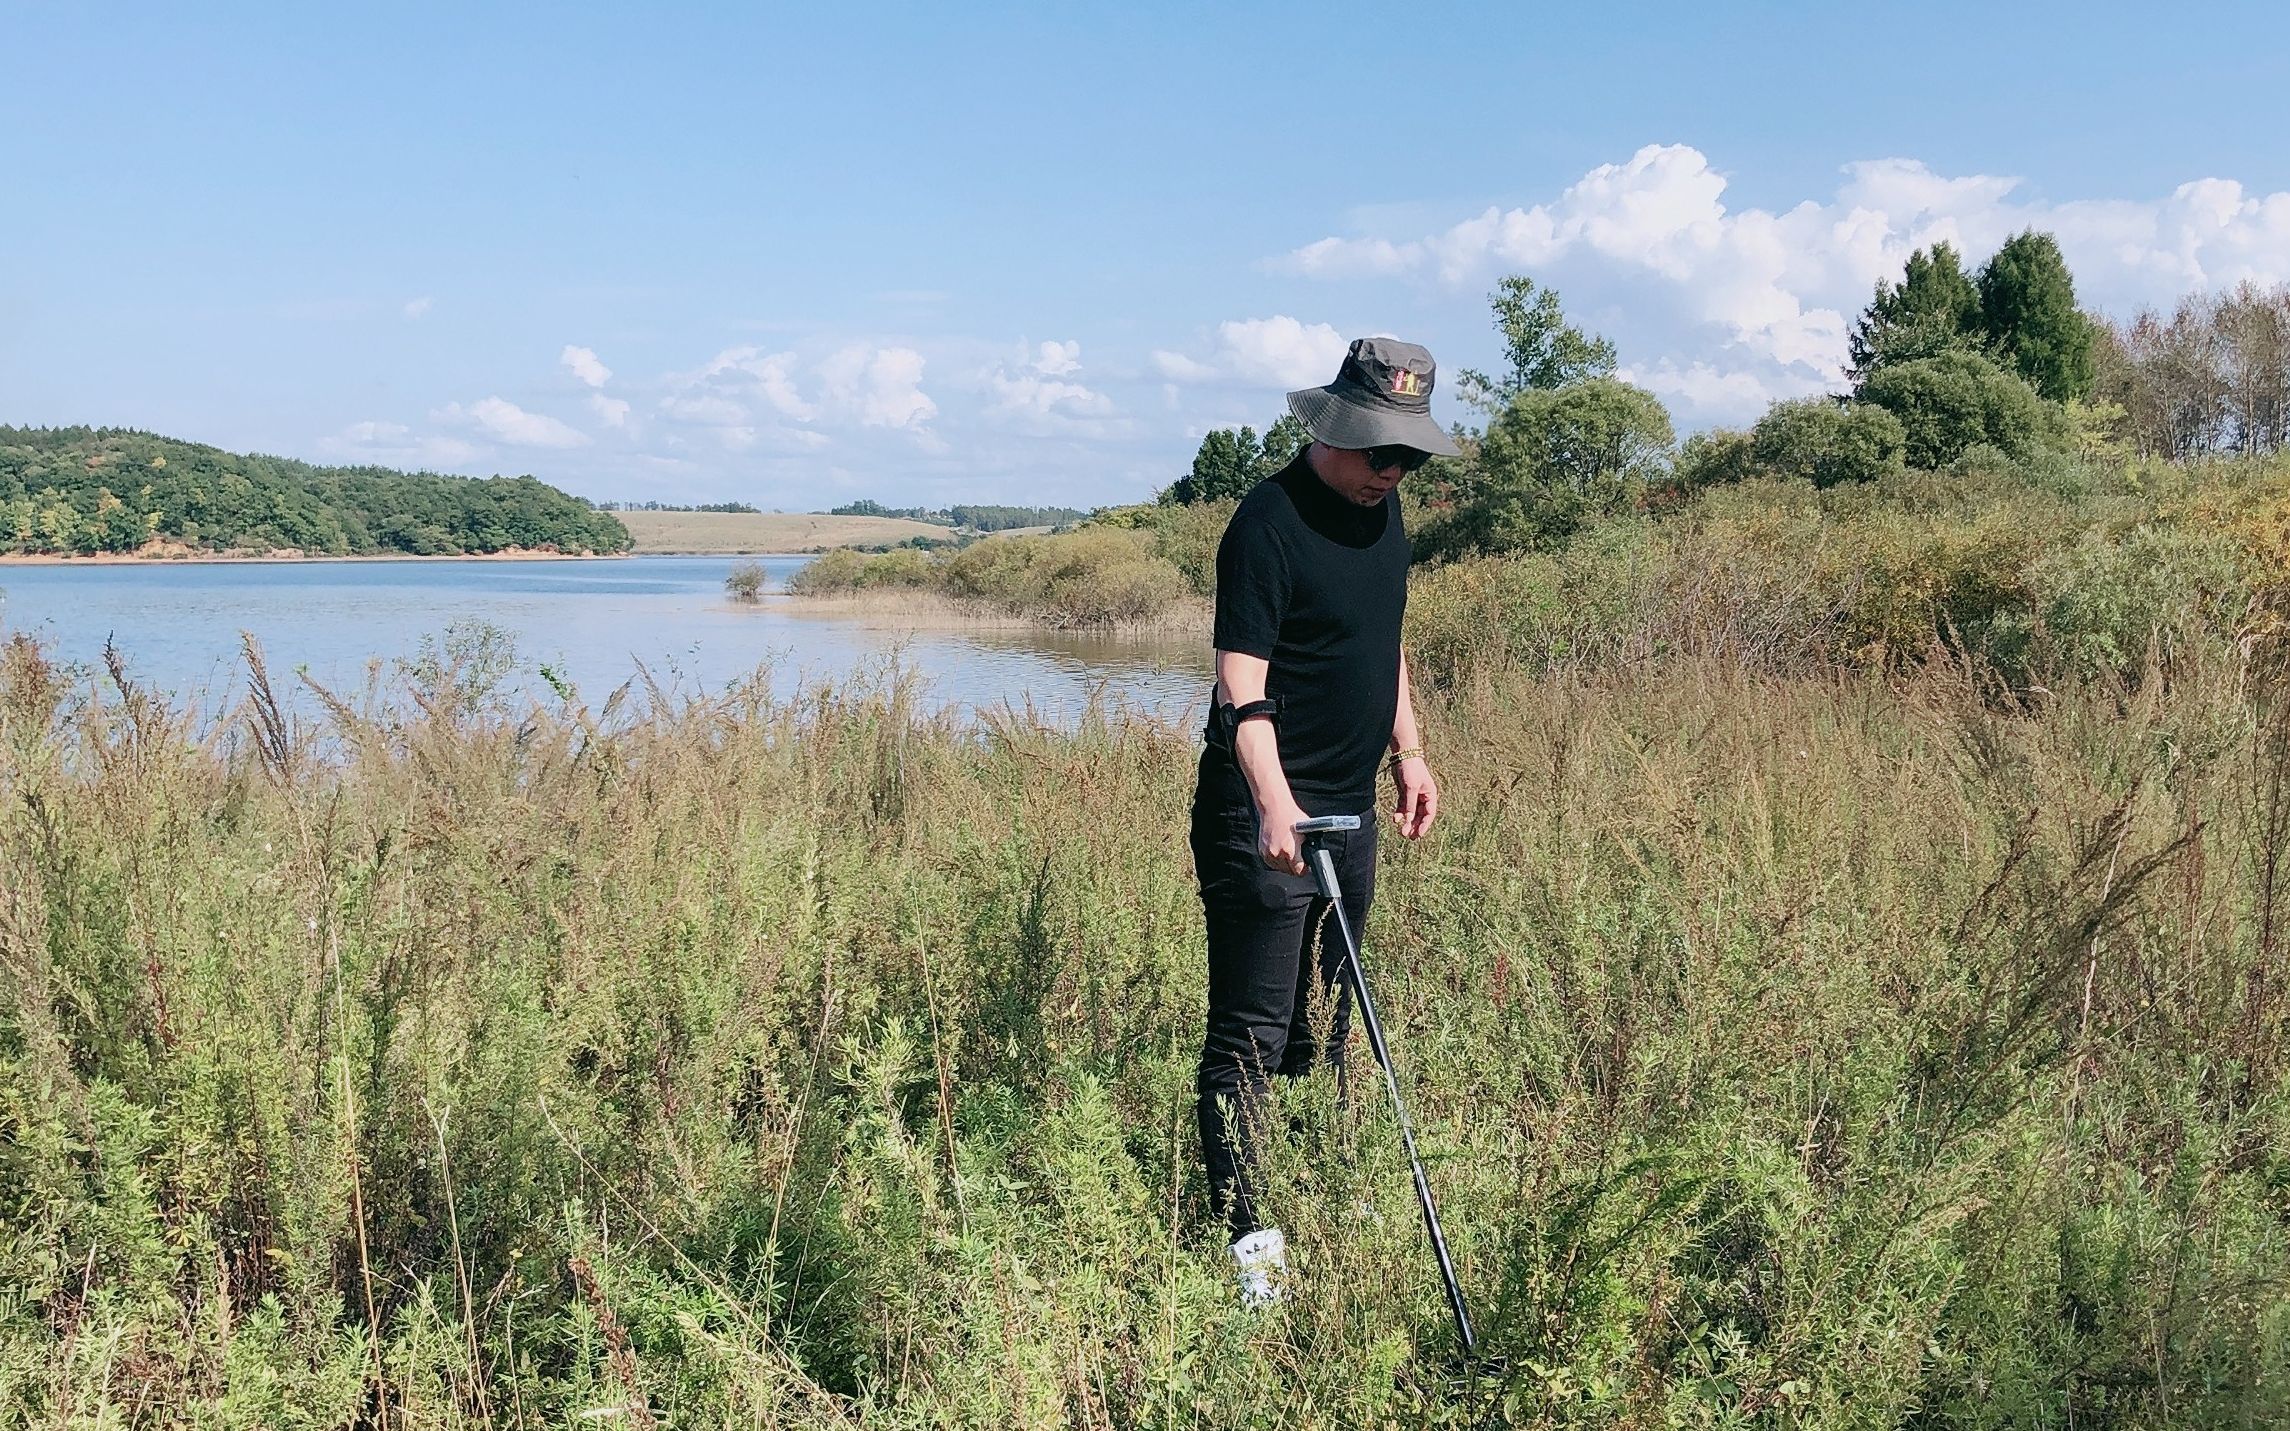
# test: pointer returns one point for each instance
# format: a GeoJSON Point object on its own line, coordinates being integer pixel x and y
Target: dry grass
{"type": "Point", "coordinates": [754, 533]}
{"type": "Point", "coordinates": [1836, 1049]}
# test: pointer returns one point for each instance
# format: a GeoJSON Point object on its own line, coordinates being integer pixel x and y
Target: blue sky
{"type": "Point", "coordinates": [929, 254]}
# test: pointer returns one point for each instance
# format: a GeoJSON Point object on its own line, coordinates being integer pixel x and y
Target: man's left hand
{"type": "Point", "coordinates": [1418, 802]}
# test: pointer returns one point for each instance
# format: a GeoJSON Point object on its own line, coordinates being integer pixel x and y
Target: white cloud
{"type": "Point", "coordinates": [583, 363]}
{"type": "Point", "coordinates": [504, 421]}
{"type": "Point", "coordinates": [611, 411]}
{"type": "Point", "coordinates": [1275, 352]}
{"type": "Point", "coordinates": [417, 307]}
{"type": "Point", "coordinates": [877, 387]}
{"type": "Point", "coordinates": [374, 434]}
{"type": "Point", "coordinates": [1703, 388]}
{"type": "Point", "coordinates": [748, 372]}
{"type": "Point", "coordinates": [1043, 391]}
{"type": "Point", "coordinates": [1778, 287]}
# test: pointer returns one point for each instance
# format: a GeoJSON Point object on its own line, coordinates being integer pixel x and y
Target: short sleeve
{"type": "Point", "coordinates": [1252, 587]}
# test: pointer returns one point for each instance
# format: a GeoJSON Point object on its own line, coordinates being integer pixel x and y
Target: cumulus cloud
{"type": "Point", "coordinates": [611, 411]}
{"type": "Point", "coordinates": [877, 387]}
{"type": "Point", "coordinates": [1044, 390]}
{"type": "Point", "coordinates": [748, 373]}
{"type": "Point", "coordinates": [1055, 360]}
{"type": "Point", "coordinates": [1702, 386]}
{"type": "Point", "coordinates": [414, 308]}
{"type": "Point", "coordinates": [1780, 286]}
{"type": "Point", "coordinates": [504, 421]}
{"type": "Point", "coordinates": [583, 363]}
{"type": "Point", "coordinates": [1275, 352]}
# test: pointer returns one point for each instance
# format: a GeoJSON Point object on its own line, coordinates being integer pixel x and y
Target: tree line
{"type": "Point", "coordinates": [1947, 365]}
{"type": "Point", "coordinates": [80, 491]}
{"type": "Point", "coordinates": [674, 507]}
{"type": "Point", "coordinates": [2212, 376]}
{"type": "Point", "coordinates": [972, 516]}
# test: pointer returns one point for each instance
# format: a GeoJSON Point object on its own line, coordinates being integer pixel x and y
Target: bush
{"type": "Point", "coordinates": [1713, 459]}
{"type": "Point", "coordinates": [1825, 442]}
{"type": "Point", "coordinates": [1186, 537]}
{"type": "Point", "coordinates": [1097, 576]}
{"type": "Point", "coordinates": [1950, 402]}
{"type": "Point", "coordinates": [900, 568]}
{"type": "Point", "coordinates": [2108, 602]}
{"type": "Point", "coordinates": [829, 573]}
{"type": "Point", "coordinates": [745, 583]}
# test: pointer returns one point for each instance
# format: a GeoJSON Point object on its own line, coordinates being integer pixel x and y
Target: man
{"type": "Point", "coordinates": [1311, 699]}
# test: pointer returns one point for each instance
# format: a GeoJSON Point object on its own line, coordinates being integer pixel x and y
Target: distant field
{"type": "Point", "coordinates": [730, 533]}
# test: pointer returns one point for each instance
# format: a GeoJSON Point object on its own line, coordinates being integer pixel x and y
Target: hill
{"type": "Point", "coordinates": [81, 491]}
{"type": "Point", "coordinates": [744, 533]}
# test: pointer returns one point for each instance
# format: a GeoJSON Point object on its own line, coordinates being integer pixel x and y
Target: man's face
{"type": "Point", "coordinates": [1355, 480]}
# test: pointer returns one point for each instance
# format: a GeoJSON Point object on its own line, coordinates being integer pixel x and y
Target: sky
{"type": "Point", "coordinates": [796, 256]}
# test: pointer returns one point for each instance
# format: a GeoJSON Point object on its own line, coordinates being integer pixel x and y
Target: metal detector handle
{"type": "Point", "coordinates": [1316, 850]}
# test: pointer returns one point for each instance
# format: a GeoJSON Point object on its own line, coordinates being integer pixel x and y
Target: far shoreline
{"type": "Point", "coordinates": [175, 558]}
{"type": "Point", "coordinates": [210, 558]}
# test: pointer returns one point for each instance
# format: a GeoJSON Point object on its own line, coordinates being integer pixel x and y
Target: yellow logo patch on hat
{"type": "Point", "coordinates": [1406, 384]}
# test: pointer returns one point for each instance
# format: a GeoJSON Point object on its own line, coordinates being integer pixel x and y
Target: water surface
{"type": "Point", "coordinates": [589, 622]}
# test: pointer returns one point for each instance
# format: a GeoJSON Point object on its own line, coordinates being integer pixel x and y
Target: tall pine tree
{"type": "Point", "coordinates": [1936, 309]}
{"type": "Point", "coordinates": [2027, 310]}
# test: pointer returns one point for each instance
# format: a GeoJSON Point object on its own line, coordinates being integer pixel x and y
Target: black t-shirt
{"type": "Point", "coordinates": [1316, 585]}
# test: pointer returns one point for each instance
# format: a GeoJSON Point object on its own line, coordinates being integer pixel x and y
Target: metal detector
{"type": "Point", "coordinates": [1323, 866]}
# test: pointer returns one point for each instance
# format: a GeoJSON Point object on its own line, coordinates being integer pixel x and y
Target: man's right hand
{"type": "Point", "coordinates": [1276, 841]}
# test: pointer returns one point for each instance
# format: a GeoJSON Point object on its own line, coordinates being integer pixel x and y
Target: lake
{"type": "Point", "coordinates": [590, 622]}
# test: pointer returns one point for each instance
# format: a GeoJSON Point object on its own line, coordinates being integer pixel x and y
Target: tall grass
{"type": "Point", "coordinates": [1814, 1047]}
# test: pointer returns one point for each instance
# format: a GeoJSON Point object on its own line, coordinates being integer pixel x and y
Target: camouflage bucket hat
{"type": "Point", "coordinates": [1381, 398]}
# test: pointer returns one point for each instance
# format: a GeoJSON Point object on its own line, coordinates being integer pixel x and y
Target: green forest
{"type": "Point", "coordinates": [80, 491]}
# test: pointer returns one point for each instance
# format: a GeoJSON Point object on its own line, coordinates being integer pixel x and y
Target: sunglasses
{"type": "Point", "coordinates": [1406, 459]}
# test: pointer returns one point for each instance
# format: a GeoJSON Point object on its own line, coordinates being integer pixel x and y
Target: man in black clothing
{"type": "Point", "coordinates": [1311, 696]}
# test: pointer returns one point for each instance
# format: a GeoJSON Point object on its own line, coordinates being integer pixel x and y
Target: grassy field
{"type": "Point", "coordinates": [745, 533]}
{"type": "Point", "coordinates": [1793, 1043]}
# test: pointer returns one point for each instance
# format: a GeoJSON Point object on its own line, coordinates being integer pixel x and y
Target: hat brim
{"type": "Point", "coordinates": [1339, 422]}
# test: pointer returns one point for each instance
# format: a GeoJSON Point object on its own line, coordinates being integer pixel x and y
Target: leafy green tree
{"type": "Point", "coordinates": [1557, 459]}
{"type": "Point", "coordinates": [1224, 466]}
{"type": "Point", "coordinates": [2027, 309]}
{"type": "Point", "coordinates": [1542, 349]}
{"type": "Point", "coordinates": [1936, 309]}
{"type": "Point", "coordinates": [1826, 442]}
{"type": "Point", "coordinates": [1233, 459]}
{"type": "Point", "coordinates": [1715, 458]}
{"type": "Point", "coordinates": [1282, 441]}
{"type": "Point", "coordinates": [1957, 400]}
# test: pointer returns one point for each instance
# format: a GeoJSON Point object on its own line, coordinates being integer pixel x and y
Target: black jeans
{"type": "Point", "coordinates": [1274, 956]}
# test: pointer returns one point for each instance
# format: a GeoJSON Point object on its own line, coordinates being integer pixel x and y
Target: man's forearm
{"type": "Point", "coordinates": [1257, 746]}
{"type": "Point", "coordinates": [1405, 735]}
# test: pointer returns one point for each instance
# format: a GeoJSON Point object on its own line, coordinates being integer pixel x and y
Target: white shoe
{"type": "Point", "coordinates": [1263, 1260]}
